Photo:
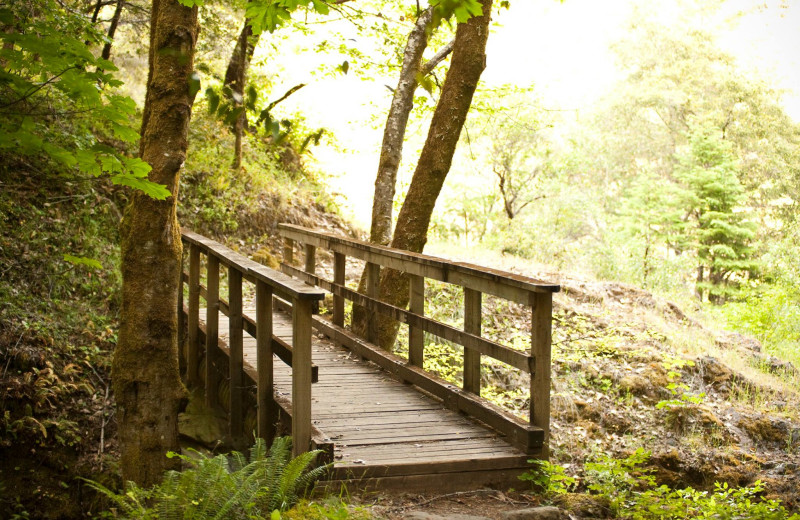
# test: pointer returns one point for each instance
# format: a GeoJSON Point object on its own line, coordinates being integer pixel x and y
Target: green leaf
{"type": "Point", "coordinates": [321, 7]}
{"type": "Point", "coordinates": [149, 188]}
{"type": "Point", "coordinates": [191, 3]}
{"type": "Point", "coordinates": [344, 67]}
{"type": "Point", "coordinates": [82, 260]}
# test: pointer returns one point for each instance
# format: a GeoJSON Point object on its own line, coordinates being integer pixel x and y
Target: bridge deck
{"type": "Point", "coordinates": [388, 433]}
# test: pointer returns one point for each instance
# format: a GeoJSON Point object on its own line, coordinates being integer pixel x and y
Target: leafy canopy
{"type": "Point", "coordinates": [57, 99]}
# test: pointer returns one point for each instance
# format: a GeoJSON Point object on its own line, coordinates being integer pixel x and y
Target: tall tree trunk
{"type": "Point", "coordinates": [112, 29]}
{"type": "Point", "coordinates": [411, 232]}
{"type": "Point", "coordinates": [235, 78]}
{"type": "Point", "coordinates": [147, 384]}
{"type": "Point", "coordinates": [395, 131]}
{"type": "Point", "coordinates": [394, 134]}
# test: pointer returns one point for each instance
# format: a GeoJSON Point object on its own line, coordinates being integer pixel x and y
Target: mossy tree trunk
{"type": "Point", "coordinates": [411, 231]}
{"type": "Point", "coordinates": [146, 379]}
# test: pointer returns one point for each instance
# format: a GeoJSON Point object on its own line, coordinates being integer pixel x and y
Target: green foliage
{"type": "Point", "coordinates": [633, 494]}
{"type": "Point", "coordinates": [223, 486]}
{"type": "Point", "coordinates": [57, 99]}
{"type": "Point", "coordinates": [722, 236]}
{"type": "Point", "coordinates": [679, 390]}
{"type": "Point", "coordinates": [548, 478]}
{"type": "Point", "coordinates": [269, 15]}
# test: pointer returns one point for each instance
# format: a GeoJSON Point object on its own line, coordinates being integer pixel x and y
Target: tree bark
{"type": "Point", "coordinates": [235, 79]}
{"type": "Point", "coordinates": [147, 385]}
{"type": "Point", "coordinates": [395, 131]}
{"type": "Point", "coordinates": [112, 29]}
{"type": "Point", "coordinates": [411, 232]}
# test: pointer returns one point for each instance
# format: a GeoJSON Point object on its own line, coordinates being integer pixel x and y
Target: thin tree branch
{"type": "Point", "coordinates": [283, 97]}
{"type": "Point", "coordinates": [40, 87]}
{"type": "Point", "coordinates": [437, 58]}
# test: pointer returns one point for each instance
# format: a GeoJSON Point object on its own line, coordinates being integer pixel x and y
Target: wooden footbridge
{"type": "Point", "coordinates": [275, 366]}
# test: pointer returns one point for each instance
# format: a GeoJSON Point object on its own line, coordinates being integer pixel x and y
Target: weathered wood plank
{"type": "Point", "coordinates": [373, 284]}
{"type": "Point", "coordinates": [416, 336]}
{"type": "Point", "coordinates": [192, 348]}
{"type": "Point", "coordinates": [499, 283]}
{"type": "Point", "coordinates": [472, 325]}
{"type": "Point", "coordinates": [267, 413]}
{"type": "Point", "coordinates": [236, 362]}
{"type": "Point", "coordinates": [486, 347]}
{"type": "Point", "coordinates": [519, 433]}
{"type": "Point", "coordinates": [541, 338]}
{"type": "Point", "coordinates": [301, 376]}
{"type": "Point", "coordinates": [212, 331]}
{"type": "Point", "coordinates": [281, 284]}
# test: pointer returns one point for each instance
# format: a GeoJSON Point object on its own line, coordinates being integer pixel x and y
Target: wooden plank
{"type": "Point", "coordinates": [499, 283]}
{"type": "Point", "coordinates": [434, 467]}
{"type": "Point", "coordinates": [236, 362]}
{"type": "Point", "coordinates": [192, 348]}
{"type": "Point", "coordinates": [486, 347]}
{"type": "Point", "coordinates": [301, 376]}
{"type": "Point", "coordinates": [267, 414]}
{"type": "Point", "coordinates": [339, 272]}
{"type": "Point", "coordinates": [212, 331]}
{"type": "Point", "coordinates": [318, 439]}
{"type": "Point", "coordinates": [251, 270]}
{"type": "Point", "coordinates": [311, 258]}
{"type": "Point", "coordinates": [373, 285]}
{"type": "Point", "coordinates": [472, 325]}
{"type": "Point", "coordinates": [280, 346]}
{"type": "Point", "coordinates": [495, 479]}
{"type": "Point", "coordinates": [526, 437]}
{"type": "Point", "coordinates": [541, 337]}
{"type": "Point", "coordinates": [416, 336]}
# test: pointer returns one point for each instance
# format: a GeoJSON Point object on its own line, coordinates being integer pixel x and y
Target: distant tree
{"type": "Point", "coordinates": [722, 236]}
{"type": "Point", "coordinates": [653, 213]}
{"type": "Point", "coordinates": [146, 380]}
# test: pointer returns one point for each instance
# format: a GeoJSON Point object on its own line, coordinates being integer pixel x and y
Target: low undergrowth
{"type": "Point", "coordinates": [625, 488]}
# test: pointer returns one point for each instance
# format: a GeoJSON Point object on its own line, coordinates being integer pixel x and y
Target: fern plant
{"type": "Point", "coordinates": [222, 487]}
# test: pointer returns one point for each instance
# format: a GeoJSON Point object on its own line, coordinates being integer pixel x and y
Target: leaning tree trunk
{"type": "Point", "coordinates": [146, 379]}
{"type": "Point", "coordinates": [235, 78]}
{"type": "Point", "coordinates": [395, 131]}
{"type": "Point", "coordinates": [393, 137]}
{"type": "Point", "coordinates": [411, 231]}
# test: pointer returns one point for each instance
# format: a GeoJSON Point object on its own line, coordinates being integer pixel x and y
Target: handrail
{"type": "Point", "coordinates": [268, 283]}
{"type": "Point", "coordinates": [475, 280]}
{"type": "Point", "coordinates": [506, 285]}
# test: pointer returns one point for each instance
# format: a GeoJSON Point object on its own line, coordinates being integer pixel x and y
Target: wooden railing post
{"type": "Point", "coordinates": [212, 330]}
{"type": "Point", "coordinates": [301, 376]}
{"type": "Point", "coordinates": [193, 320]}
{"type": "Point", "coordinates": [266, 409]}
{"type": "Point", "coordinates": [311, 268]}
{"type": "Point", "coordinates": [472, 324]}
{"type": "Point", "coordinates": [288, 251]}
{"type": "Point", "coordinates": [339, 266]}
{"type": "Point", "coordinates": [541, 336]}
{"type": "Point", "coordinates": [416, 336]}
{"type": "Point", "coordinates": [373, 284]}
{"type": "Point", "coordinates": [236, 361]}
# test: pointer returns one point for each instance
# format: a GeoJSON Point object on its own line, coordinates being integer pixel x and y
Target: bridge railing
{"type": "Point", "coordinates": [531, 436]}
{"type": "Point", "coordinates": [268, 282]}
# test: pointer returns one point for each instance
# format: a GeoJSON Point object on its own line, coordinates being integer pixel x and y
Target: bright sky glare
{"type": "Point", "coordinates": [560, 48]}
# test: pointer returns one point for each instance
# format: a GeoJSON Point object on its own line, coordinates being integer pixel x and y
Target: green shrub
{"type": "Point", "coordinates": [224, 487]}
